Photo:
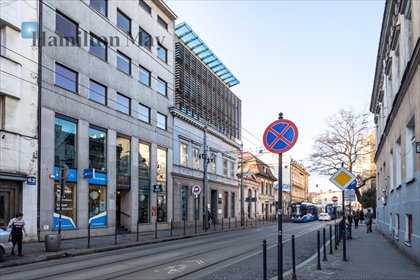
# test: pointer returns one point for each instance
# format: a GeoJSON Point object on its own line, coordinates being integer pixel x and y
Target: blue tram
{"type": "Point", "coordinates": [303, 212]}
{"type": "Point", "coordinates": [335, 211]}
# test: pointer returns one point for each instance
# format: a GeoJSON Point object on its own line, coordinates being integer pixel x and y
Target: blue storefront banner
{"type": "Point", "coordinates": [99, 179]}
{"type": "Point", "coordinates": [66, 222]}
{"type": "Point", "coordinates": [98, 220]}
{"type": "Point", "coordinates": [72, 177]}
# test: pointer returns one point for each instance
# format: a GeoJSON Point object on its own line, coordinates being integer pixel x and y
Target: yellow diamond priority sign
{"type": "Point", "coordinates": [342, 178]}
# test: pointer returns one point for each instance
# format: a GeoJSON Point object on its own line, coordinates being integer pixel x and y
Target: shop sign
{"type": "Point", "coordinates": [157, 188]}
{"type": "Point", "coordinates": [98, 179]}
{"type": "Point", "coordinates": [72, 175]}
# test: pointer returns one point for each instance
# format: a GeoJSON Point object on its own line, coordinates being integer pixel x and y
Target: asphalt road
{"type": "Point", "coordinates": [228, 255]}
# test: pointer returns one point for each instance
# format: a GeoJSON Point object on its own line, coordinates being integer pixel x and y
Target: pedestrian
{"type": "Point", "coordinates": [361, 215]}
{"type": "Point", "coordinates": [356, 219]}
{"type": "Point", "coordinates": [18, 228]}
{"type": "Point", "coordinates": [368, 221]}
{"type": "Point", "coordinates": [210, 217]}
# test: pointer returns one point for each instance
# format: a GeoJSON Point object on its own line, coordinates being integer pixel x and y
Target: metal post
{"type": "Point", "coordinates": [63, 174]}
{"type": "Point", "coordinates": [137, 238]}
{"type": "Point", "coordinates": [229, 222]}
{"type": "Point", "coordinates": [344, 230]}
{"type": "Point", "coordinates": [318, 266]}
{"type": "Point", "coordinates": [88, 234]}
{"type": "Point", "coordinates": [280, 222]}
{"type": "Point", "coordinates": [336, 237]}
{"type": "Point", "coordinates": [115, 235]}
{"type": "Point", "coordinates": [184, 226]}
{"type": "Point", "coordinates": [323, 240]}
{"type": "Point", "coordinates": [242, 186]}
{"type": "Point", "coordinates": [293, 258]}
{"type": "Point", "coordinates": [214, 225]}
{"type": "Point", "coordinates": [172, 223]}
{"type": "Point", "coordinates": [205, 181]}
{"type": "Point", "coordinates": [156, 228]}
{"type": "Point", "coordinates": [222, 223]}
{"type": "Point", "coordinates": [236, 224]}
{"type": "Point", "coordinates": [195, 225]}
{"type": "Point", "coordinates": [264, 259]}
{"type": "Point", "coordinates": [331, 249]}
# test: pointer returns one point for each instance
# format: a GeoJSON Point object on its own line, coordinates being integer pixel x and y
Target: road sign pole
{"type": "Point", "coordinates": [280, 220]}
{"type": "Point", "coordinates": [344, 229]}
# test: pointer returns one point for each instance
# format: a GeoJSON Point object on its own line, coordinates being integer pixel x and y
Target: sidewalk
{"type": "Point", "coordinates": [370, 256]}
{"type": "Point", "coordinates": [35, 252]}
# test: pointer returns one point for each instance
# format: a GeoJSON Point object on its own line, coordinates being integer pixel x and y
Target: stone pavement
{"type": "Point", "coordinates": [370, 256]}
{"type": "Point", "coordinates": [35, 252]}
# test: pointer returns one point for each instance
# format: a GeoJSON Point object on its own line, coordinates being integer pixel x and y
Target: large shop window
{"type": "Point", "coordinates": [65, 142]}
{"type": "Point", "coordinates": [184, 201]}
{"type": "Point", "coordinates": [97, 206]}
{"type": "Point", "coordinates": [123, 162]}
{"type": "Point", "coordinates": [97, 149]}
{"type": "Point", "coordinates": [144, 183]}
{"type": "Point", "coordinates": [161, 179]}
{"type": "Point", "coordinates": [69, 213]}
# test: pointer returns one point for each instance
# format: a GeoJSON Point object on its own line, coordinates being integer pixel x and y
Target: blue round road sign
{"type": "Point", "coordinates": [280, 136]}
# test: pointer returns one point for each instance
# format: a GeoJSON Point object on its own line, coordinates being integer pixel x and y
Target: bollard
{"type": "Point", "coordinates": [195, 225]}
{"type": "Point", "coordinates": [172, 225]}
{"type": "Point", "coordinates": [222, 223]}
{"type": "Point", "coordinates": [331, 250]}
{"type": "Point", "coordinates": [115, 241]}
{"type": "Point", "coordinates": [246, 222]}
{"type": "Point", "coordinates": [336, 237]}
{"type": "Point", "coordinates": [293, 258]}
{"type": "Point", "coordinates": [89, 234]}
{"type": "Point", "coordinates": [156, 229]}
{"type": "Point", "coordinates": [184, 226]}
{"type": "Point", "coordinates": [229, 222]}
{"type": "Point", "coordinates": [214, 225]}
{"type": "Point", "coordinates": [264, 259]}
{"type": "Point", "coordinates": [137, 238]}
{"type": "Point", "coordinates": [236, 225]}
{"type": "Point", "coordinates": [318, 266]}
{"type": "Point", "coordinates": [323, 239]}
{"type": "Point", "coordinates": [344, 241]}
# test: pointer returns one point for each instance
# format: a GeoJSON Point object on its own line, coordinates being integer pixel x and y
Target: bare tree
{"type": "Point", "coordinates": [345, 141]}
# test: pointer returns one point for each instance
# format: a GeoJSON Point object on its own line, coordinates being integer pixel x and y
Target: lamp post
{"type": "Point", "coordinates": [63, 174]}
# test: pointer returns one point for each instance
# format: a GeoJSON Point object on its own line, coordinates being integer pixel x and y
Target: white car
{"type": "Point", "coordinates": [4, 244]}
{"type": "Point", "coordinates": [324, 217]}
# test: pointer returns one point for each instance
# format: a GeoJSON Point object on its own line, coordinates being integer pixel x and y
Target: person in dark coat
{"type": "Point", "coordinates": [356, 218]}
{"type": "Point", "coordinates": [361, 215]}
{"type": "Point", "coordinates": [369, 217]}
{"type": "Point", "coordinates": [18, 228]}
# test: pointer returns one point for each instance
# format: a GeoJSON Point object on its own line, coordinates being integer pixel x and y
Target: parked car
{"type": "Point", "coordinates": [4, 244]}
{"type": "Point", "coordinates": [324, 217]}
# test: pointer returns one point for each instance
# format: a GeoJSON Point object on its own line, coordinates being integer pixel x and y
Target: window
{"type": "Point", "coordinates": [65, 142]}
{"type": "Point", "coordinates": [145, 39]}
{"type": "Point", "coordinates": [161, 179]}
{"type": "Point", "coordinates": [70, 210]}
{"type": "Point", "coordinates": [144, 182]}
{"type": "Point", "coordinates": [97, 149]}
{"type": "Point", "coordinates": [183, 154]}
{"type": "Point", "coordinates": [232, 205]}
{"type": "Point", "coordinates": [2, 110]}
{"type": "Point", "coordinates": [144, 160]}
{"type": "Point", "coordinates": [123, 104]}
{"type": "Point", "coordinates": [144, 76]}
{"type": "Point", "coordinates": [123, 63]}
{"type": "Point", "coordinates": [225, 167]}
{"type": "Point", "coordinates": [232, 168]}
{"type": "Point", "coordinates": [184, 202]}
{"type": "Point", "coordinates": [144, 113]}
{"type": "Point", "coordinates": [397, 225]}
{"type": "Point", "coordinates": [100, 5]}
{"type": "Point", "coordinates": [98, 47]}
{"type": "Point", "coordinates": [161, 121]}
{"type": "Point", "coordinates": [123, 155]}
{"type": "Point", "coordinates": [226, 205]}
{"type": "Point", "coordinates": [391, 170]}
{"type": "Point", "coordinates": [97, 205]}
{"type": "Point", "coordinates": [162, 87]}
{"type": "Point", "coordinates": [145, 6]}
{"type": "Point", "coordinates": [66, 78]}
{"type": "Point", "coordinates": [66, 27]}
{"type": "Point", "coordinates": [390, 222]}
{"type": "Point", "coordinates": [97, 92]}
{"type": "Point", "coordinates": [410, 151]}
{"type": "Point", "coordinates": [262, 187]}
{"type": "Point", "coordinates": [408, 228]}
{"type": "Point", "coordinates": [196, 158]}
{"type": "Point", "coordinates": [162, 53]}
{"type": "Point", "coordinates": [163, 23]}
{"type": "Point", "coordinates": [213, 162]}
{"type": "Point", "coordinates": [123, 22]}
{"type": "Point", "coordinates": [398, 152]}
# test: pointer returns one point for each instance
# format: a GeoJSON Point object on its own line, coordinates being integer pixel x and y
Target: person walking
{"type": "Point", "coordinates": [17, 225]}
{"type": "Point", "coordinates": [356, 219]}
{"type": "Point", "coordinates": [361, 216]}
{"type": "Point", "coordinates": [368, 222]}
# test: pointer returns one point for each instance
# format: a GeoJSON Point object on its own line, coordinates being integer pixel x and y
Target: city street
{"type": "Point", "coordinates": [228, 255]}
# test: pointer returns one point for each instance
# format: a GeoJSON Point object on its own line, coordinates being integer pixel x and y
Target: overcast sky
{"type": "Point", "coordinates": [307, 59]}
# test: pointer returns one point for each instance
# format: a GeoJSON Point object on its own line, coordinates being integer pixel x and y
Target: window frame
{"type": "Point", "coordinates": [101, 41]}
{"type": "Point", "coordinates": [149, 73]}
{"type": "Point", "coordinates": [106, 92]}
{"type": "Point", "coordinates": [69, 69]}
{"type": "Point", "coordinates": [162, 22]}
{"type": "Point", "coordinates": [145, 6]}
{"type": "Point", "coordinates": [157, 121]}
{"type": "Point", "coordinates": [104, 130]}
{"type": "Point", "coordinates": [106, 7]}
{"type": "Point", "coordinates": [129, 104]}
{"type": "Point", "coordinates": [160, 46]}
{"type": "Point", "coordinates": [129, 62]}
{"type": "Point", "coordinates": [2, 110]}
{"type": "Point", "coordinates": [183, 158]}
{"type": "Point", "coordinates": [143, 31]}
{"type": "Point", "coordinates": [68, 38]}
{"type": "Point", "coordinates": [159, 82]}
{"type": "Point", "coordinates": [148, 113]}
{"type": "Point", "coordinates": [129, 21]}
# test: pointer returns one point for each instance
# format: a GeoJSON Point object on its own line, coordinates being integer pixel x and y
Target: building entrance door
{"type": "Point", "coordinates": [10, 201]}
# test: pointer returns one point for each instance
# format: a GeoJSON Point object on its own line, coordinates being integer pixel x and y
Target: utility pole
{"type": "Point", "coordinates": [205, 181]}
{"type": "Point", "coordinates": [279, 215]}
{"type": "Point", "coordinates": [242, 184]}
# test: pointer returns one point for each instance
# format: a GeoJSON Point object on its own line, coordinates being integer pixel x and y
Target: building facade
{"type": "Point", "coordinates": [207, 127]}
{"type": "Point", "coordinates": [299, 182]}
{"type": "Point", "coordinates": [107, 86]}
{"type": "Point", "coordinates": [396, 104]}
{"type": "Point", "coordinates": [18, 115]}
{"type": "Point", "coordinates": [259, 192]}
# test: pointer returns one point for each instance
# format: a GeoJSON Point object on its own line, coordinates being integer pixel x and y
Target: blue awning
{"type": "Point", "coordinates": [188, 36]}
